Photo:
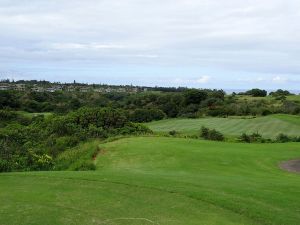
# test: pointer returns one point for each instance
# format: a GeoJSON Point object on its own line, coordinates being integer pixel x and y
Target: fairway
{"type": "Point", "coordinates": [268, 126]}
{"type": "Point", "coordinates": [150, 180]}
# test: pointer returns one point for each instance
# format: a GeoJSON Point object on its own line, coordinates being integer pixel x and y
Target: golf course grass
{"type": "Point", "coordinates": [156, 180]}
{"type": "Point", "coordinates": [268, 126]}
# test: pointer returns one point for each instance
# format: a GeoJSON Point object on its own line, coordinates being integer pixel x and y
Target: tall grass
{"type": "Point", "coordinates": [80, 157]}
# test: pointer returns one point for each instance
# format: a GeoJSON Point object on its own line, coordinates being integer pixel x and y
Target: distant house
{"type": "Point", "coordinates": [100, 90]}
{"type": "Point", "coordinates": [19, 87]}
{"type": "Point", "coordinates": [58, 88]}
{"type": "Point", "coordinates": [70, 88]}
{"type": "Point", "coordinates": [84, 89]}
{"type": "Point", "coordinates": [37, 89]}
{"type": "Point", "coordinates": [50, 89]}
{"type": "Point", "coordinates": [121, 90]}
{"type": "Point", "coordinates": [134, 90]}
{"type": "Point", "coordinates": [4, 87]}
{"type": "Point", "coordinates": [108, 90]}
{"type": "Point", "coordinates": [54, 89]}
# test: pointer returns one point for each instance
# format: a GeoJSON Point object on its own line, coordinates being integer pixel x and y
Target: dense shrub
{"type": "Point", "coordinates": [7, 115]}
{"type": "Point", "coordinates": [133, 128]}
{"type": "Point", "coordinates": [280, 93]}
{"type": "Point", "coordinates": [282, 138]}
{"type": "Point", "coordinates": [211, 134]}
{"type": "Point", "coordinates": [40, 162]}
{"type": "Point", "coordinates": [35, 147]}
{"type": "Point", "coordinates": [194, 96]}
{"type": "Point", "coordinates": [256, 92]}
{"type": "Point", "coordinates": [173, 132]}
{"type": "Point", "coordinates": [254, 137]}
{"type": "Point", "coordinates": [146, 115]}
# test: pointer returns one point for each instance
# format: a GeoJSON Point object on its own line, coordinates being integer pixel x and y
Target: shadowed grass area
{"type": "Point", "coordinates": [268, 126]}
{"type": "Point", "coordinates": [150, 180]}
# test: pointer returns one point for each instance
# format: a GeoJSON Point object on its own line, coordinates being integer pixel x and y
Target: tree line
{"type": "Point", "coordinates": [153, 105]}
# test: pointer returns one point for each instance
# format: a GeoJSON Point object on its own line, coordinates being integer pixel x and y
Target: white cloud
{"type": "Point", "coordinates": [279, 79]}
{"type": "Point", "coordinates": [90, 46]}
{"type": "Point", "coordinates": [185, 81]}
{"type": "Point", "coordinates": [259, 36]}
{"type": "Point", "coordinates": [260, 79]}
{"type": "Point", "coordinates": [253, 79]}
{"type": "Point", "coordinates": [203, 79]}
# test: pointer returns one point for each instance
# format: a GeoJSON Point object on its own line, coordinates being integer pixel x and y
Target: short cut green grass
{"type": "Point", "coordinates": [165, 181]}
{"type": "Point", "coordinates": [268, 126]}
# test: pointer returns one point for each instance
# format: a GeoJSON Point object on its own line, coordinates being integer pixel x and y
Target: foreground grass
{"type": "Point", "coordinates": [150, 180]}
{"type": "Point", "coordinates": [268, 126]}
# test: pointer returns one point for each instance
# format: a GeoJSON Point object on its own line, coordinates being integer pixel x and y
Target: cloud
{"type": "Point", "coordinates": [279, 79]}
{"type": "Point", "coordinates": [253, 79]}
{"type": "Point", "coordinates": [90, 46]}
{"type": "Point", "coordinates": [258, 38]}
{"type": "Point", "coordinates": [194, 82]}
{"type": "Point", "coordinates": [203, 79]}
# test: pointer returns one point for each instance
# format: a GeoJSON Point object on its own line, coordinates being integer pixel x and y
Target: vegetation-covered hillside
{"type": "Point", "coordinates": [37, 127]}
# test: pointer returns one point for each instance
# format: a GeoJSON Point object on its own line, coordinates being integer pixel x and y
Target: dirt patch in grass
{"type": "Point", "coordinates": [291, 165]}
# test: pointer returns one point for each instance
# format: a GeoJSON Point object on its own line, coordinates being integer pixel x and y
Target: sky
{"type": "Point", "coordinates": [233, 44]}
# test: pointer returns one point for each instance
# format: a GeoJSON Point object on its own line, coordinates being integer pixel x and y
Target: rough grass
{"type": "Point", "coordinates": [150, 180]}
{"type": "Point", "coordinates": [79, 157]}
{"type": "Point", "coordinates": [268, 126]}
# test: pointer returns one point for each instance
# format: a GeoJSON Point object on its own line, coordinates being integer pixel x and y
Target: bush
{"type": "Point", "coordinates": [134, 128]}
{"type": "Point", "coordinates": [204, 132]}
{"type": "Point", "coordinates": [97, 132]}
{"type": "Point", "coordinates": [41, 162]}
{"type": "Point", "coordinates": [213, 134]}
{"type": "Point", "coordinates": [216, 135]}
{"type": "Point", "coordinates": [282, 138]}
{"type": "Point", "coordinates": [256, 92]}
{"type": "Point", "coordinates": [62, 143]}
{"type": "Point", "coordinates": [5, 166]}
{"type": "Point", "coordinates": [146, 115]}
{"type": "Point", "coordinates": [244, 138]}
{"type": "Point", "coordinates": [254, 137]}
{"type": "Point", "coordinates": [172, 132]}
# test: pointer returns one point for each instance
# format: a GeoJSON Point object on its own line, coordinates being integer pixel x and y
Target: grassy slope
{"type": "Point", "coordinates": [161, 181]}
{"type": "Point", "coordinates": [269, 126]}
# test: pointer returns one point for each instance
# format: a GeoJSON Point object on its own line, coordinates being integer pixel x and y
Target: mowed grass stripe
{"type": "Point", "coordinates": [269, 126]}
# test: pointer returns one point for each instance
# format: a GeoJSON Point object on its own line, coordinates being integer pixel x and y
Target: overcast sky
{"type": "Point", "coordinates": [195, 43]}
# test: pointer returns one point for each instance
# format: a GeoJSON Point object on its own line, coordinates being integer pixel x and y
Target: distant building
{"type": "Point", "coordinates": [121, 90]}
{"type": "Point", "coordinates": [50, 89]}
{"type": "Point", "coordinates": [4, 87]}
{"type": "Point", "coordinates": [54, 89]}
{"type": "Point", "coordinates": [84, 89]}
{"type": "Point", "coordinates": [108, 90]}
{"type": "Point", "coordinates": [100, 90]}
{"type": "Point", "coordinates": [19, 87]}
{"type": "Point", "coordinates": [134, 90]}
{"type": "Point", "coordinates": [37, 89]}
{"type": "Point", "coordinates": [70, 88]}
